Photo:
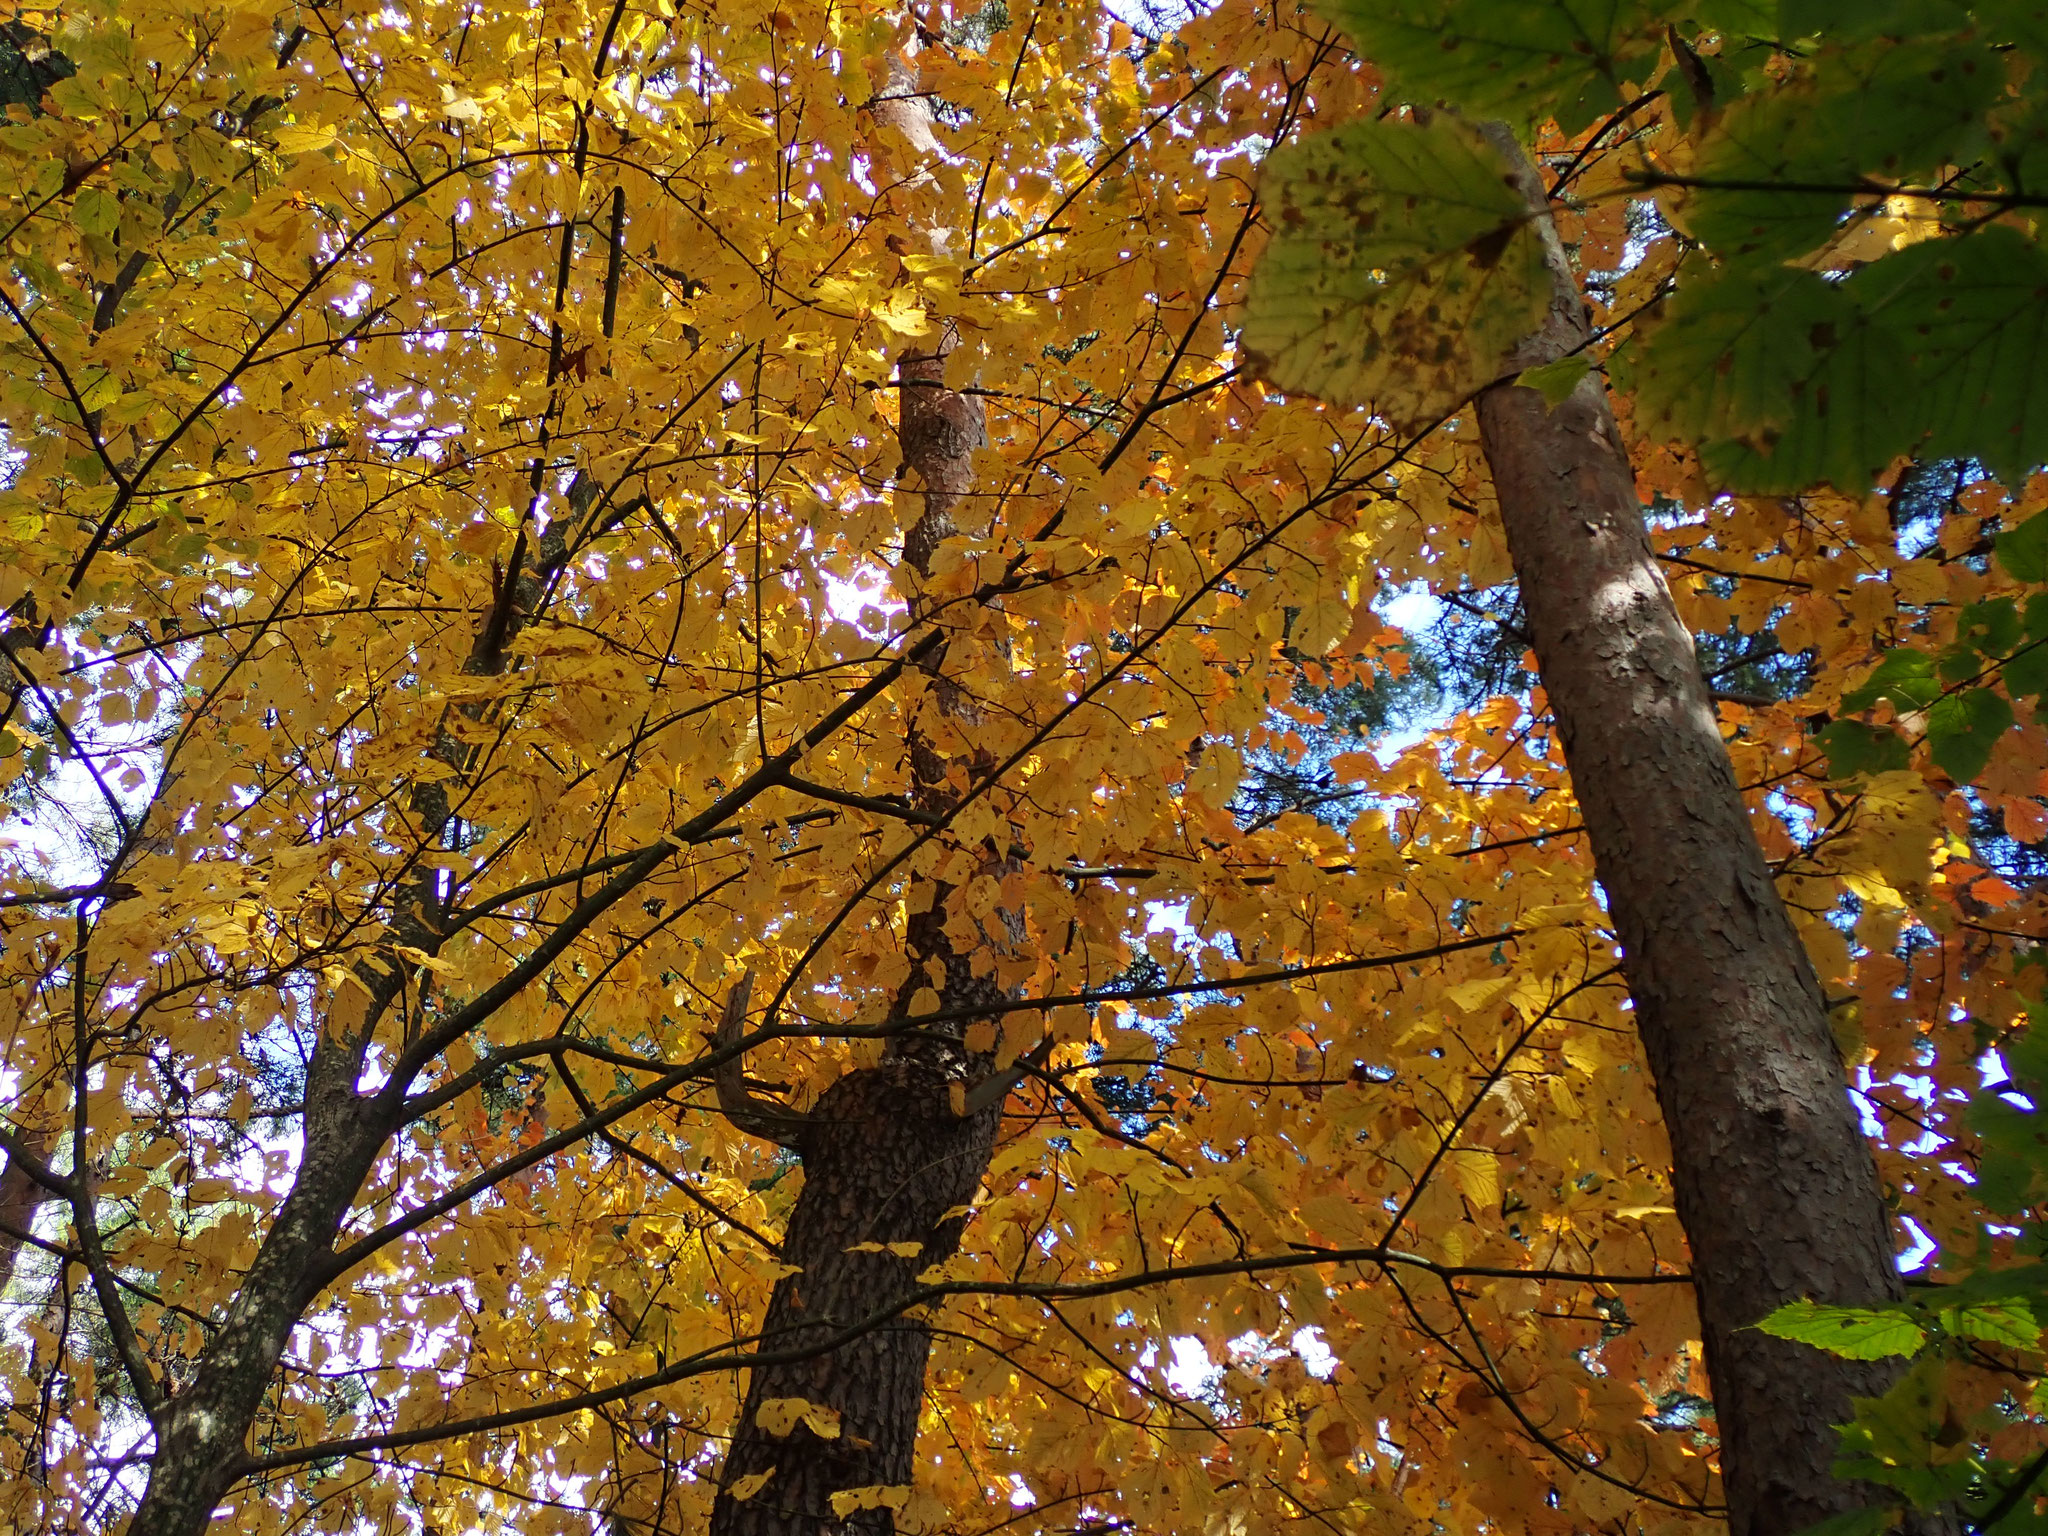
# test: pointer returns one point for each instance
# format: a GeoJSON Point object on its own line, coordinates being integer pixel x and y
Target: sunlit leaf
{"type": "Point", "coordinates": [1855, 1333]}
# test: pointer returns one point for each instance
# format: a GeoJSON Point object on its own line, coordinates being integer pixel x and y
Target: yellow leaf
{"type": "Point", "coordinates": [1123, 77]}
{"type": "Point", "coordinates": [1582, 1050]}
{"type": "Point", "coordinates": [780, 1416]}
{"type": "Point", "coordinates": [1475, 996]}
{"type": "Point", "coordinates": [303, 138]}
{"type": "Point", "coordinates": [848, 1500]}
{"type": "Point", "coordinates": [749, 1485]}
{"type": "Point", "coordinates": [1477, 1175]}
{"type": "Point", "coordinates": [904, 314]}
{"type": "Point", "coordinates": [433, 963]}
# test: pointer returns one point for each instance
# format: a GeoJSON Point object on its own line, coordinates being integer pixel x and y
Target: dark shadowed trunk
{"type": "Point", "coordinates": [1775, 1186]}
{"type": "Point", "coordinates": [885, 1159]}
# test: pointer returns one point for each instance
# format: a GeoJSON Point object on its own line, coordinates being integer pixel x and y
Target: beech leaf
{"type": "Point", "coordinates": [1402, 269]}
{"type": "Point", "coordinates": [1855, 1333]}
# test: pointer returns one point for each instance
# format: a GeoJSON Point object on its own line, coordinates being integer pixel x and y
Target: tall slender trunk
{"type": "Point", "coordinates": [887, 1159]}
{"type": "Point", "coordinates": [1775, 1186]}
{"type": "Point", "coordinates": [201, 1431]}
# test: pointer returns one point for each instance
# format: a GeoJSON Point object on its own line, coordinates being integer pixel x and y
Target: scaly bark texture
{"type": "Point", "coordinates": [885, 1158]}
{"type": "Point", "coordinates": [1775, 1185]}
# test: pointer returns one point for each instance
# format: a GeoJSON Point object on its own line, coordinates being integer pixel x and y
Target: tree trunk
{"type": "Point", "coordinates": [201, 1431]}
{"type": "Point", "coordinates": [20, 1198]}
{"type": "Point", "coordinates": [1775, 1185]}
{"type": "Point", "coordinates": [887, 1158]}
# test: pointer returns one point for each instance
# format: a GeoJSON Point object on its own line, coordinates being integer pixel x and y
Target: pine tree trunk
{"type": "Point", "coordinates": [1775, 1186]}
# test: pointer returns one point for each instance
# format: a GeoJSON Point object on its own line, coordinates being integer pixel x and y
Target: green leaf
{"type": "Point", "coordinates": [1992, 626]}
{"type": "Point", "coordinates": [1752, 144]}
{"type": "Point", "coordinates": [1854, 1333]}
{"type": "Point", "coordinates": [1958, 664]}
{"type": "Point", "coordinates": [2013, 1154]}
{"type": "Point", "coordinates": [2026, 672]}
{"type": "Point", "coordinates": [1787, 379]}
{"type": "Point", "coordinates": [1962, 729]}
{"type": "Point", "coordinates": [2026, 1054]}
{"type": "Point", "coordinates": [1854, 749]}
{"type": "Point", "coordinates": [1556, 381]}
{"type": "Point", "coordinates": [1403, 269]}
{"type": "Point", "coordinates": [1523, 60]}
{"type": "Point", "coordinates": [1889, 110]}
{"type": "Point", "coordinates": [1780, 376]}
{"type": "Point", "coordinates": [2023, 551]}
{"type": "Point", "coordinates": [2023, 23]}
{"type": "Point", "coordinates": [1854, 20]}
{"type": "Point", "coordinates": [1844, 421]}
{"type": "Point", "coordinates": [1901, 1440]}
{"type": "Point", "coordinates": [1728, 352]}
{"type": "Point", "coordinates": [1970, 309]}
{"type": "Point", "coordinates": [1904, 676]}
{"type": "Point", "coordinates": [1856, 1522]}
{"type": "Point", "coordinates": [2024, 1285]}
{"type": "Point", "coordinates": [2023, 644]}
{"type": "Point", "coordinates": [1996, 1322]}
{"type": "Point", "coordinates": [2020, 1520]}
{"type": "Point", "coordinates": [1737, 18]}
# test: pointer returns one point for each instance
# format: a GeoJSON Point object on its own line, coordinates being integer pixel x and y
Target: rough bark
{"type": "Point", "coordinates": [202, 1430]}
{"type": "Point", "coordinates": [885, 1159]}
{"type": "Point", "coordinates": [1775, 1186]}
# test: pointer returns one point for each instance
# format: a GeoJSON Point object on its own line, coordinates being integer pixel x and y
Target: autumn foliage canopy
{"type": "Point", "coordinates": [579, 576]}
